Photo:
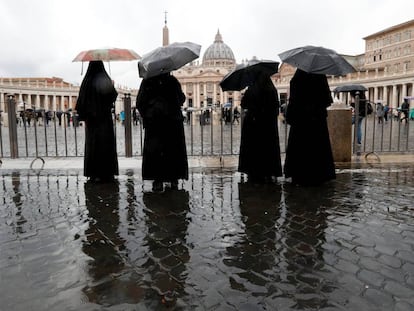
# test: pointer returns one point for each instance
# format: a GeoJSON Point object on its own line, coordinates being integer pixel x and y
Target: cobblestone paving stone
{"type": "Point", "coordinates": [218, 243]}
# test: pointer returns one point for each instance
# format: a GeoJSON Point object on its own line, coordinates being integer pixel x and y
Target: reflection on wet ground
{"type": "Point", "coordinates": [218, 243]}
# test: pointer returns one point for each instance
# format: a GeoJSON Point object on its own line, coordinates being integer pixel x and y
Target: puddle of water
{"type": "Point", "coordinates": [218, 242]}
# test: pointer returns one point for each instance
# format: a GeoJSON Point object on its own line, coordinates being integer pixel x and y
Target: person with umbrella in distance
{"type": "Point", "coordinates": [96, 97]}
{"type": "Point", "coordinates": [309, 160]}
{"type": "Point", "coordinates": [364, 109]}
{"type": "Point", "coordinates": [259, 154]}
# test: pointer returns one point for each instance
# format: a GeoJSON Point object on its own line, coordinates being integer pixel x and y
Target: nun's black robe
{"type": "Point", "coordinates": [309, 159]}
{"type": "Point", "coordinates": [259, 144]}
{"type": "Point", "coordinates": [94, 105]}
{"type": "Point", "coordinates": [159, 103]}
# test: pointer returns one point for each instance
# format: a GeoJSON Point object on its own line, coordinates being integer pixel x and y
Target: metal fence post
{"type": "Point", "coordinates": [128, 125]}
{"type": "Point", "coordinates": [11, 114]}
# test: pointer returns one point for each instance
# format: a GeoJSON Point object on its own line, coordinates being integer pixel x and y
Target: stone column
{"type": "Point", "coordinates": [404, 91]}
{"type": "Point", "coordinates": [375, 94]}
{"type": "Point", "coordinates": [70, 102]}
{"type": "Point", "coordinates": [385, 94]}
{"type": "Point", "coordinates": [198, 96]}
{"type": "Point", "coordinates": [394, 103]}
{"type": "Point", "coordinates": [340, 132]}
{"type": "Point", "coordinates": [2, 105]}
{"type": "Point", "coordinates": [54, 103]}
{"type": "Point", "coordinates": [46, 103]}
{"type": "Point", "coordinates": [205, 95]}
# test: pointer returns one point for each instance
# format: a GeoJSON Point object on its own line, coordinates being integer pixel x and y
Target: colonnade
{"type": "Point", "coordinates": [392, 94]}
{"type": "Point", "coordinates": [38, 101]}
{"type": "Point", "coordinates": [199, 93]}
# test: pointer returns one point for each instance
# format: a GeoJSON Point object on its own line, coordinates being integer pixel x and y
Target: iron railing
{"type": "Point", "coordinates": [212, 137]}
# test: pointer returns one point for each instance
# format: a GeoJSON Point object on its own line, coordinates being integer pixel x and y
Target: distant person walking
{"type": "Point", "coordinates": [259, 143]}
{"type": "Point", "coordinates": [380, 112]}
{"type": "Point", "coordinates": [309, 159]}
{"type": "Point", "coordinates": [236, 115]}
{"type": "Point", "coordinates": [96, 97]}
{"type": "Point", "coordinates": [364, 109]}
{"type": "Point", "coordinates": [164, 156]}
{"type": "Point", "coordinates": [405, 108]}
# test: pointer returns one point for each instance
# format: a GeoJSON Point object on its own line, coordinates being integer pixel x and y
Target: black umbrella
{"type": "Point", "coordinates": [317, 59]}
{"type": "Point", "coordinates": [245, 74]}
{"type": "Point", "coordinates": [167, 58]}
{"type": "Point", "coordinates": [350, 88]}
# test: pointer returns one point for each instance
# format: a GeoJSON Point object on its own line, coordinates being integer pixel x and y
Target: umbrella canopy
{"type": "Point", "coordinates": [227, 105]}
{"type": "Point", "coordinates": [111, 54]}
{"type": "Point", "coordinates": [350, 88]}
{"type": "Point", "coordinates": [167, 58]}
{"type": "Point", "coordinates": [317, 59]}
{"type": "Point", "coordinates": [245, 74]}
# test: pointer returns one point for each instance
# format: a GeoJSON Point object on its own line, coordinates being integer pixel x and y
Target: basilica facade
{"type": "Point", "coordinates": [200, 81]}
{"type": "Point", "coordinates": [386, 69]}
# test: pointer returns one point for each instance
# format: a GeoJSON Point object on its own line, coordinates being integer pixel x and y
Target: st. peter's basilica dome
{"type": "Point", "coordinates": [219, 53]}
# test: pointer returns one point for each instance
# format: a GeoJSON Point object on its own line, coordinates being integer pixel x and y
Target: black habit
{"type": "Point", "coordinates": [259, 144]}
{"type": "Point", "coordinates": [309, 159]}
{"type": "Point", "coordinates": [159, 102]}
{"type": "Point", "coordinates": [94, 105]}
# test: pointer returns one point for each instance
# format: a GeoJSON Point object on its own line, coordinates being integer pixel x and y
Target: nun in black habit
{"type": "Point", "coordinates": [309, 159]}
{"type": "Point", "coordinates": [95, 101]}
{"type": "Point", "coordinates": [259, 144]}
{"type": "Point", "coordinates": [164, 156]}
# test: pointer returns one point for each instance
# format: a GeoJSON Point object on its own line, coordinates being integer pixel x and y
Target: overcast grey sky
{"type": "Point", "coordinates": [40, 38]}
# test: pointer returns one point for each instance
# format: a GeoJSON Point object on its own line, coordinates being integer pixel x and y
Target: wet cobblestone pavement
{"type": "Point", "coordinates": [218, 243]}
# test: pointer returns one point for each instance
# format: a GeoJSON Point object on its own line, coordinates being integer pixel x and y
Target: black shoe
{"type": "Point", "coordinates": [157, 186]}
{"type": "Point", "coordinates": [174, 184]}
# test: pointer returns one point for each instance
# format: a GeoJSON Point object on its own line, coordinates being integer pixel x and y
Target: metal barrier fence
{"type": "Point", "coordinates": [214, 136]}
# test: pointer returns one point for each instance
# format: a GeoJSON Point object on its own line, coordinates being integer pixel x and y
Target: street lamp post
{"type": "Point", "coordinates": [11, 114]}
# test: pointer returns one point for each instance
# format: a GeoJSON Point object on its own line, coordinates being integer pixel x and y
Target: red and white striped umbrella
{"type": "Point", "coordinates": [110, 54]}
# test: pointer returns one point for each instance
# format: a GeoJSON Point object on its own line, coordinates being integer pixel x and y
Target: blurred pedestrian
{"type": "Point", "coordinates": [405, 107]}
{"type": "Point", "coordinates": [380, 112]}
{"type": "Point", "coordinates": [309, 159]}
{"type": "Point", "coordinates": [386, 111]}
{"type": "Point", "coordinates": [59, 116]}
{"type": "Point", "coordinates": [236, 115]}
{"type": "Point", "coordinates": [122, 117]}
{"type": "Point", "coordinates": [97, 95]}
{"type": "Point", "coordinates": [164, 157]}
{"type": "Point", "coordinates": [364, 109]}
{"type": "Point", "coordinates": [259, 143]}
{"type": "Point", "coordinates": [135, 117]}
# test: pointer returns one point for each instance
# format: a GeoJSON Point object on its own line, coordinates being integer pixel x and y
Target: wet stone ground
{"type": "Point", "coordinates": [218, 243]}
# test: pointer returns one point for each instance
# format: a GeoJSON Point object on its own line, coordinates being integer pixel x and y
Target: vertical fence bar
{"type": "Point", "coordinates": [201, 121]}
{"type": "Point", "coordinates": [65, 124]}
{"type": "Point", "coordinates": [45, 124]}
{"type": "Point", "coordinates": [1, 138]}
{"type": "Point", "coordinates": [211, 132]}
{"type": "Point", "coordinates": [356, 122]}
{"type": "Point", "coordinates": [75, 125]}
{"type": "Point", "coordinates": [54, 126]}
{"type": "Point", "coordinates": [11, 115]}
{"type": "Point", "coordinates": [408, 132]}
{"type": "Point", "coordinates": [25, 129]}
{"type": "Point", "coordinates": [35, 132]}
{"type": "Point", "coordinates": [391, 126]}
{"type": "Point", "coordinates": [127, 125]}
